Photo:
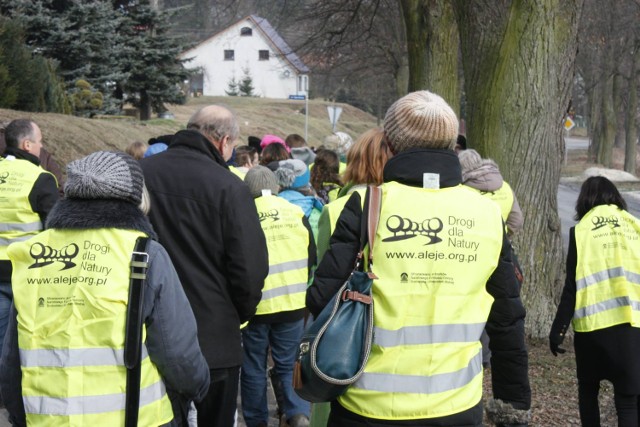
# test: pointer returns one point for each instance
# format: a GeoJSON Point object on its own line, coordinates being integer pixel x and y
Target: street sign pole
{"type": "Point", "coordinates": [306, 118]}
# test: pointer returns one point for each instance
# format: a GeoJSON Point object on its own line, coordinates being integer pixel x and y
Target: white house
{"type": "Point", "coordinates": [251, 46]}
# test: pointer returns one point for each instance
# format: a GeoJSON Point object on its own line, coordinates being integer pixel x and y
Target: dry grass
{"type": "Point", "coordinates": [69, 137]}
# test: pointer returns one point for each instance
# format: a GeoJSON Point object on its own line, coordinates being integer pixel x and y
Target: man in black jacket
{"type": "Point", "coordinates": [206, 219]}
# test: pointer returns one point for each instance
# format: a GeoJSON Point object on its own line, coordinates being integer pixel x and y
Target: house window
{"type": "Point", "coordinates": [246, 31]}
{"type": "Point", "coordinates": [263, 55]}
{"type": "Point", "coordinates": [229, 55]}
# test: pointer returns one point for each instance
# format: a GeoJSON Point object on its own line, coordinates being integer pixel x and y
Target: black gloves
{"type": "Point", "coordinates": [554, 343]}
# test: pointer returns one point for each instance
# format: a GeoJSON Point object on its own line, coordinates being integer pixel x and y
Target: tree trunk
{"type": "Point", "coordinates": [518, 64]}
{"type": "Point", "coordinates": [145, 105]}
{"type": "Point", "coordinates": [607, 124]}
{"type": "Point", "coordinates": [432, 45]}
{"type": "Point", "coordinates": [632, 113]}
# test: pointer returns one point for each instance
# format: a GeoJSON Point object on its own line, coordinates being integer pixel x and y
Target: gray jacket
{"type": "Point", "coordinates": [171, 341]}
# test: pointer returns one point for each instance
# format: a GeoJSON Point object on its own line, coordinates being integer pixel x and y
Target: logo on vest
{"type": "Point", "coordinates": [406, 228]}
{"type": "Point", "coordinates": [273, 214]}
{"type": "Point", "coordinates": [600, 221]}
{"type": "Point", "coordinates": [40, 302]}
{"type": "Point", "coordinates": [45, 255]}
{"type": "Point", "coordinates": [404, 278]}
{"type": "Point", "coordinates": [3, 178]}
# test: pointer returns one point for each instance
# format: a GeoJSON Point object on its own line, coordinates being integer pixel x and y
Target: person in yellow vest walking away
{"type": "Point", "coordinates": [443, 271]}
{"type": "Point", "coordinates": [601, 300]}
{"type": "Point", "coordinates": [27, 195]}
{"type": "Point", "coordinates": [279, 320]}
{"type": "Point", "coordinates": [78, 288]}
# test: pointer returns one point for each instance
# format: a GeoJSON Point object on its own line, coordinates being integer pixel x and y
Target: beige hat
{"type": "Point", "coordinates": [260, 178]}
{"type": "Point", "coordinates": [420, 120]}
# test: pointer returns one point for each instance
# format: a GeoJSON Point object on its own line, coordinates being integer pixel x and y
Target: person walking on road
{"type": "Point", "coordinates": [206, 218]}
{"type": "Point", "coordinates": [27, 195]}
{"type": "Point", "coordinates": [64, 361]}
{"type": "Point", "coordinates": [279, 320]}
{"type": "Point", "coordinates": [443, 267]}
{"type": "Point", "coordinates": [601, 301]}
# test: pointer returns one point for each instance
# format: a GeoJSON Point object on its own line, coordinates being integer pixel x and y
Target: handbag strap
{"type": "Point", "coordinates": [133, 331]}
{"type": "Point", "coordinates": [375, 203]}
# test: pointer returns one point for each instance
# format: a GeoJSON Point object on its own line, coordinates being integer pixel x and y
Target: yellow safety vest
{"type": "Point", "coordinates": [503, 197]}
{"type": "Point", "coordinates": [335, 207]}
{"type": "Point", "coordinates": [287, 242]}
{"type": "Point", "coordinates": [607, 270]}
{"type": "Point", "coordinates": [434, 252]}
{"type": "Point", "coordinates": [234, 170]}
{"type": "Point", "coordinates": [18, 221]}
{"type": "Point", "coordinates": [71, 289]}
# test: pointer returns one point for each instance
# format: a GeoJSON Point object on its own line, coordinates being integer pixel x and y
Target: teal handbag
{"type": "Point", "coordinates": [335, 347]}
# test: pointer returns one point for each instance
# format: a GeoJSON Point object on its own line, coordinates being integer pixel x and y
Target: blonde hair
{"type": "Point", "coordinates": [145, 200]}
{"type": "Point", "coordinates": [366, 158]}
{"type": "Point", "coordinates": [136, 149]}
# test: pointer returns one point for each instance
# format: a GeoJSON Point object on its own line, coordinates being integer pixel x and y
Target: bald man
{"type": "Point", "coordinates": [206, 219]}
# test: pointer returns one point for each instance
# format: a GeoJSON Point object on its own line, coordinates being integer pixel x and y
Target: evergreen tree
{"type": "Point", "coordinates": [155, 74]}
{"type": "Point", "coordinates": [246, 83]}
{"type": "Point", "coordinates": [232, 87]}
{"type": "Point", "coordinates": [30, 82]}
{"type": "Point", "coordinates": [80, 35]}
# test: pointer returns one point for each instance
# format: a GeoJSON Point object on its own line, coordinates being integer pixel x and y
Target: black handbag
{"type": "Point", "coordinates": [335, 347]}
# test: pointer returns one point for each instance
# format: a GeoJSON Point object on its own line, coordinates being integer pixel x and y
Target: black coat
{"type": "Point", "coordinates": [610, 353]}
{"type": "Point", "coordinates": [505, 325]}
{"type": "Point", "coordinates": [206, 219]}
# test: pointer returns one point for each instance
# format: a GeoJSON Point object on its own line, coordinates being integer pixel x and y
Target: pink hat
{"type": "Point", "coordinates": [270, 139]}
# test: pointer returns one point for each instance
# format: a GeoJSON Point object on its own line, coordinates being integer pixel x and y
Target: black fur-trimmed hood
{"type": "Point", "coordinates": [80, 214]}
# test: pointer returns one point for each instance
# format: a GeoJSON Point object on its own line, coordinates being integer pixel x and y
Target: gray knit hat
{"type": "Point", "coordinates": [470, 160]}
{"type": "Point", "coordinates": [420, 120]}
{"type": "Point", "coordinates": [260, 178]}
{"type": "Point", "coordinates": [105, 175]}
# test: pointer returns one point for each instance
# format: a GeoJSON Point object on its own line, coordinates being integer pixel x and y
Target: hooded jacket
{"type": "Point", "coordinates": [505, 324]}
{"type": "Point", "coordinates": [207, 220]}
{"type": "Point", "coordinates": [487, 178]}
{"type": "Point", "coordinates": [171, 329]}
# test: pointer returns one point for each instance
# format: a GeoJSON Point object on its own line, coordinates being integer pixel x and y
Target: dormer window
{"type": "Point", "coordinates": [246, 31]}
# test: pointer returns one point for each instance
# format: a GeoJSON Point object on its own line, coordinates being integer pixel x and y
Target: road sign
{"type": "Point", "coordinates": [334, 115]}
{"type": "Point", "coordinates": [297, 97]}
{"type": "Point", "coordinates": [569, 124]}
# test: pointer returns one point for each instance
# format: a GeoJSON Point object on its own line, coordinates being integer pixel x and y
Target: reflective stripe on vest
{"type": "Point", "coordinates": [67, 357]}
{"type": "Point", "coordinates": [71, 290]}
{"type": "Point", "coordinates": [417, 384]}
{"type": "Point", "coordinates": [431, 334]}
{"type": "Point", "coordinates": [607, 269]}
{"type": "Point", "coordinates": [286, 285]}
{"type": "Point", "coordinates": [100, 404]}
{"type": "Point", "coordinates": [18, 221]}
{"type": "Point", "coordinates": [435, 251]}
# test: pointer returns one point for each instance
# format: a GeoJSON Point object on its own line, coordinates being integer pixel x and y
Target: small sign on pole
{"type": "Point", "coordinates": [569, 124]}
{"type": "Point", "coordinates": [334, 115]}
{"type": "Point", "coordinates": [297, 97]}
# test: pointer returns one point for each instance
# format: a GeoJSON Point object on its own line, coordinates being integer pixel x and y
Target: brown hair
{"type": "Point", "coordinates": [366, 158]}
{"type": "Point", "coordinates": [326, 168]}
{"type": "Point", "coordinates": [596, 191]}
{"type": "Point", "coordinates": [272, 153]}
{"type": "Point", "coordinates": [295, 140]}
{"type": "Point", "coordinates": [136, 149]}
{"type": "Point", "coordinates": [245, 154]}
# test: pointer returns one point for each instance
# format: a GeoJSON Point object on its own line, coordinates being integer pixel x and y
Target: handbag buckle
{"type": "Point", "coordinates": [348, 294]}
{"type": "Point", "coordinates": [304, 348]}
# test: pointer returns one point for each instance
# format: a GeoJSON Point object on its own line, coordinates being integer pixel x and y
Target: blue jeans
{"type": "Point", "coordinates": [6, 297]}
{"type": "Point", "coordinates": [284, 339]}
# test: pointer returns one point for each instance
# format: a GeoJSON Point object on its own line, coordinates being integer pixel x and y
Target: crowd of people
{"type": "Point", "coordinates": [183, 272]}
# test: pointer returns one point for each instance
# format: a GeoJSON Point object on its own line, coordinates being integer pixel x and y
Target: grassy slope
{"type": "Point", "coordinates": [69, 137]}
